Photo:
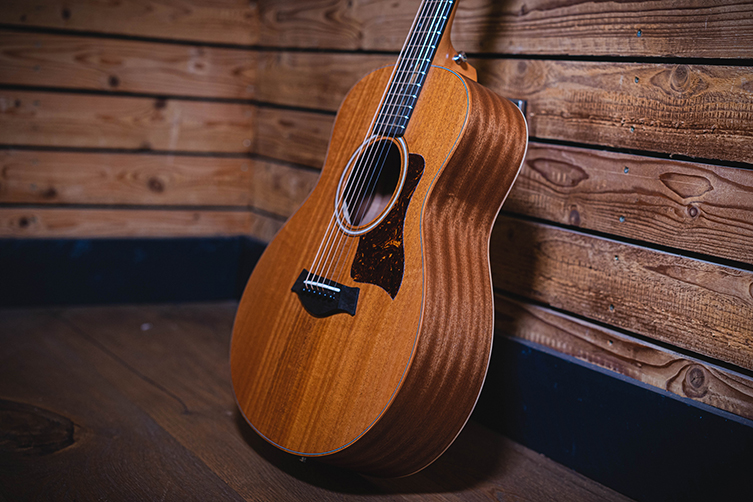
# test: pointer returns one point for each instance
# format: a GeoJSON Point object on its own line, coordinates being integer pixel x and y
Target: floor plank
{"type": "Point", "coordinates": [135, 403]}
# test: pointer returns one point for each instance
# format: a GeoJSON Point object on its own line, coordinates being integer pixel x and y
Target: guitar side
{"type": "Point", "coordinates": [386, 390]}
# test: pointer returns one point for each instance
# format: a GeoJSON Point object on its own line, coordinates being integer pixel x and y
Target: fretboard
{"type": "Point", "coordinates": [412, 66]}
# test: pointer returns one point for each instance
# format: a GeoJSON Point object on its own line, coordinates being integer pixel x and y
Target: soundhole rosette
{"type": "Point", "coordinates": [370, 184]}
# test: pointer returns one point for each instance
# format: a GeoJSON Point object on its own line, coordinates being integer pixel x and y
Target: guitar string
{"type": "Point", "coordinates": [357, 167]}
{"type": "Point", "coordinates": [413, 74]}
{"type": "Point", "coordinates": [387, 112]}
{"type": "Point", "coordinates": [354, 191]}
{"type": "Point", "coordinates": [328, 232]}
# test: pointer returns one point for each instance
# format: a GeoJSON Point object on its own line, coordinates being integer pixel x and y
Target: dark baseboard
{"type": "Point", "coordinates": [640, 441]}
{"type": "Point", "coordinates": [45, 272]}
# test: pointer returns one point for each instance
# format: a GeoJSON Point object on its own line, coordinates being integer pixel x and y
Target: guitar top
{"type": "Point", "coordinates": [364, 333]}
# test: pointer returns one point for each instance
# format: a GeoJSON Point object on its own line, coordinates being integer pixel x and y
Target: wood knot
{"type": "Point", "coordinates": [113, 81]}
{"type": "Point", "coordinates": [50, 193]}
{"type": "Point", "coordinates": [679, 78]}
{"type": "Point", "coordinates": [66, 13]}
{"type": "Point", "coordinates": [693, 211]}
{"type": "Point", "coordinates": [574, 218]}
{"type": "Point", "coordinates": [695, 383]}
{"type": "Point", "coordinates": [156, 185]}
{"type": "Point", "coordinates": [28, 430]}
{"type": "Point", "coordinates": [24, 222]}
{"type": "Point", "coordinates": [160, 103]}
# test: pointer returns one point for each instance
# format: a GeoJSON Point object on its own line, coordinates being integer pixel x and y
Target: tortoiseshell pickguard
{"type": "Point", "coordinates": [380, 257]}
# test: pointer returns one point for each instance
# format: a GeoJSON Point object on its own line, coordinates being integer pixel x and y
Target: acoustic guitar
{"type": "Point", "coordinates": [364, 333]}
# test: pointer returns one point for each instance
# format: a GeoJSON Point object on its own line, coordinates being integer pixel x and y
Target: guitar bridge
{"type": "Point", "coordinates": [322, 297]}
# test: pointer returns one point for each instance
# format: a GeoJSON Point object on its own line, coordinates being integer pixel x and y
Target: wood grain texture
{"type": "Point", "coordinates": [312, 79]}
{"type": "Point", "coordinates": [75, 120]}
{"type": "Point", "coordinates": [75, 62]}
{"type": "Point", "coordinates": [695, 207]}
{"type": "Point", "coordinates": [42, 177]}
{"type": "Point", "coordinates": [648, 363]}
{"type": "Point", "coordinates": [699, 306]}
{"type": "Point", "coordinates": [687, 28]}
{"type": "Point", "coordinates": [449, 365]}
{"type": "Point", "coordinates": [223, 21]}
{"type": "Point", "coordinates": [34, 222]}
{"type": "Point", "coordinates": [344, 418]}
{"type": "Point", "coordinates": [694, 110]}
{"type": "Point", "coordinates": [292, 135]}
{"type": "Point", "coordinates": [166, 423]}
{"type": "Point", "coordinates": [49, 369]}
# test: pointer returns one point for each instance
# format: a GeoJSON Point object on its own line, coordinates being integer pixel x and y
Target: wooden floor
{"type": "Point", "coordinates": [134, 403]}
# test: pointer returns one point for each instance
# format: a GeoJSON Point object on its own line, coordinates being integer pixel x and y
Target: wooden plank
{"type": "Point", "coordinates": [684, 376]}
{"type": "Point", "coordinates": [74, 62]}
{"type": "Point", "coordinates": [695, 207]}
{"type": "Point", "coordinates": [30, 222]}
{"type": "Point", "coordinates": [76, 120]}
{"type": "Point", "coordinates": [221, 21]}
{"type": "Point", "coordinates": [115, 451]}
{"type": "Point", "coordinates": [293, 136]}
{"type": "Point", "coordinates": [686, 28]}
{"type": "Point", "coordinates": [42, 177]}
{"type": "Point", "coordinates": [178, 372]}
{"type": "Point", "coordinates": [312, 79]}
{"type": "Point", "coordinates": [699, 306]}
{"type": "Point", "coordinates": [694, 110]}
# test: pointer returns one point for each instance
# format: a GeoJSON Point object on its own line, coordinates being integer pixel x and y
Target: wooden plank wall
{"type": "Point", "coordinates": [627, 241]}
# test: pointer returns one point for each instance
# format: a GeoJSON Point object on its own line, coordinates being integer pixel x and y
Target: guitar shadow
{"type": "Point", "coordinates": [473, 459]}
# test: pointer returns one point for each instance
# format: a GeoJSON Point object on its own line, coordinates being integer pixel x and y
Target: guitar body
{"type": "Point", "coordinates": [386, 389]}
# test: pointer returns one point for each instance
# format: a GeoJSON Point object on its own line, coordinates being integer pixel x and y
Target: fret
{"type": "Point", "coordinates": [412, 67]}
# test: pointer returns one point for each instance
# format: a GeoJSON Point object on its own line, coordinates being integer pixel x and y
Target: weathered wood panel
{"type": "Point", "coordinates": [687, 28]}
{"type": "Point", "coordinates": [700, 306]}
{"type": "Point", "coordinates": [31, 222]}
{"type": "Point", "coordinates": [696, 110]}
{"type": "Point", "coordinates": [293, 136]}
{"type": "Point", "coordinates": [695, 207]}
{"type": "Point", "coordinates": [40, 59]}
{"type": "Point", "coordinates": [223, 21]}
{"type": "Point", "coordinates": [42, 177]}
{"type": "Point", "coordinates": [311, 79]}
{"type": "Point", "coordinates": [684, 376]}
{"type": "Point", "coordinates": [699, 111]}
{"type": "Point", "coordinates": [76, 120]}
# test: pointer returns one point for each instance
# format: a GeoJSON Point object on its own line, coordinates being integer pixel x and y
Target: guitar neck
{"type": "Point", "coordinates": [412, 67]}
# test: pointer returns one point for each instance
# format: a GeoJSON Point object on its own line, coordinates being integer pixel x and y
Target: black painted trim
{"type": "Point", "coordinates": [640, 441]}
{"type": "Point", "coordinates": [45, 272]}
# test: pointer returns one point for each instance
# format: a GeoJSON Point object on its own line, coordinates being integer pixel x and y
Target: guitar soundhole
{"type": "Point", "coordinates": [373, 178]}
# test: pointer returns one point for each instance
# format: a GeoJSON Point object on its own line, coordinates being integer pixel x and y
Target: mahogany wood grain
{"type": "Point", "coordinates": [166, 423]}
{"type": "Point", "coordinates": [45, 177]}
{"type": "Point", "coordinates": [103, 64]}
{"type": "Point", "coordinates": [220, 21]}
{"type": "Point", "coordinates": [701, 111]}
{"type": "Point", "coordinates": [695, 207]}
{"type": "Point", "coordinates": [699, 306]}
{"type": "Point", "coordinates": [686, 28]}
{"type": "Point", "coordinates": [35, 222]}
{"type": "Point", "coordinates": [357, 419]}
{"type": "Point", "coordinates": [76, 120]}
{"type": "Point", "coordinates": [659, 367]}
